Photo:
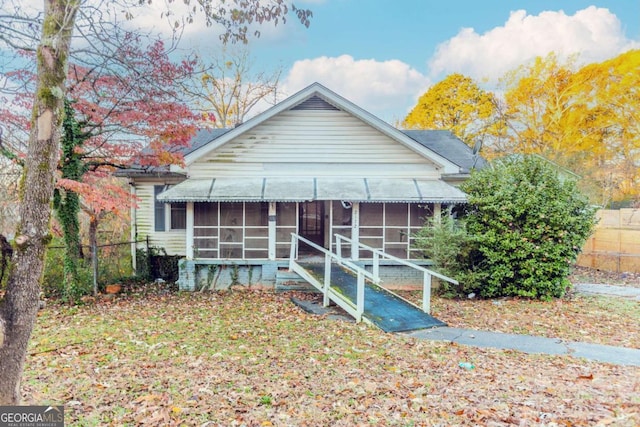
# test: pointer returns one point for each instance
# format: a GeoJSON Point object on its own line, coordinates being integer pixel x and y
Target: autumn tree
{"type": "Point", "coordinates": [611, 119]}
{"type": "Point", "coordinates": [121, 104]}
{"type": "Point", "coordinates": [584, 119]}
{"type": "Point", "coordinates": [227, 86]}
{"type": "Point", "coordinates": [540, 102]}
{"type": "Point", "coordinates": [459, 105]}
{"type": "Point", "coordinates": [19, 306]}
{"type": "Point", "coordinates": [20, 303]}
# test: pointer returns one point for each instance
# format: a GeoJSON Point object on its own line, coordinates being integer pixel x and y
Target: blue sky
{"type": "Point", "coordinates": [382, 54]}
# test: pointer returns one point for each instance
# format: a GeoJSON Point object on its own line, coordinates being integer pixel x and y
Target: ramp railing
{"type": "Point", "coordinates": [329, 294]}
{"type": "Point", "coordinates": [377, 254]}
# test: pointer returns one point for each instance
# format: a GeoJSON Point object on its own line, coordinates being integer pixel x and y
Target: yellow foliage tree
{"type": "Point", "coordinates": [459, 105]}
{"type": "Point", "coordinates": [614, 107]}
{"type": "Point", "coordinates": [584, 120]}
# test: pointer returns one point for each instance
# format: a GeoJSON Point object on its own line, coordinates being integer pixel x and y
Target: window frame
{"type": "Point", "coordinates": [163, 212]}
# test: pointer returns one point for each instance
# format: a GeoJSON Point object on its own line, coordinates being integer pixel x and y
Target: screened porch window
{"type": "Point", "coordinates": [341, 223]}
{"type": "Point", "coordinates": [390, 227]}
{"type": "Point", "coordinates": [230, 230]}
{"type": "Point", "coordinates": [286, 223]}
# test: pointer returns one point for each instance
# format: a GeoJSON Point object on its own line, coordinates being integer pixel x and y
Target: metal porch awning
{"type": "Point", "coordinates": [399, 190]}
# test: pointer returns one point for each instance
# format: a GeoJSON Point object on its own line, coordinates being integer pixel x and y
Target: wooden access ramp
{"type": "Point", "coordinates": [359, 293]}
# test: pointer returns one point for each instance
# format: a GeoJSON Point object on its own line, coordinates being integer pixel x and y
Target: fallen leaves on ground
{"type": "Point", "coordinates": [593, 319]}
{"type": "Point", "coordinates": [255, 359]}
{"type": "Point", "coordinates": [591, 275]}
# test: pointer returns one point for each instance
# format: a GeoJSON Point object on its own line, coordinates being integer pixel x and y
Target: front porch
{"type": "Point", "coordinates": [249, 243]}
{"type": "Point", "coordinates": [211, 274]}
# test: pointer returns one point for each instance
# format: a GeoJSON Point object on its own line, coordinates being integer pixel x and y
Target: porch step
{"type": "Point", "coordinates": [290, 281]}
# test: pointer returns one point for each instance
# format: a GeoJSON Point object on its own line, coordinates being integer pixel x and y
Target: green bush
{"type": "Point", "coordinates": [446, 242]}
{"type": "Point", "coordinates": [114, 265]}
{"type": "Point", "coordinates": [526, 226]}
{"type": "Point", "coordinates": [53, 281]}
{"type": "Point", "coordinates": [156, 264]}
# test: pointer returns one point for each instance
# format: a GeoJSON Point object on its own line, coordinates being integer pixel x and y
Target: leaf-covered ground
{"type": "Point", "coordinates": [593, 319]}
{"type": "Point", "coordinates": [590, 275]}
{"type": "Point", "coordinates": [255, 359]}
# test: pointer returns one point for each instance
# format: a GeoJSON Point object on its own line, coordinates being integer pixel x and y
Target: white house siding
{"type": "Point", "coordinates": [173, 242]}
{"type": "Point", "coordinates": [313, 143]}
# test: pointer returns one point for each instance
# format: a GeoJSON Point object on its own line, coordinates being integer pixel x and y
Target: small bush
{"type": "Point", "coordinates": [526, 226]}
{"type": "Point", "coordinates": [53, 280]}
{"type": "Point", "coordinates": [446, 242]}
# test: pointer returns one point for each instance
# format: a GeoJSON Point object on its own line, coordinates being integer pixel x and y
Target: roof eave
{"type": "Point", "coordinates": [128, 173]}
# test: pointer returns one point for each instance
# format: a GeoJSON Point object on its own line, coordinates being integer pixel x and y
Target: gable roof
{"type": "Point", "coordinates": [440, 146]}
{"type": "Point", "coordinates": [314, 96]}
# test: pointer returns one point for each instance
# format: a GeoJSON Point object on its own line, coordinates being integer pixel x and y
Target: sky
{"type": "Point", "coordinates": [382, 55]}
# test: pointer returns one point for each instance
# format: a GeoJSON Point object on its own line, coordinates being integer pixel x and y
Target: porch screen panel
{"type": "Point", "coordinates": [371, 227]}
{"type": "Point", "coordinates": [396, 230]}
{"type": "Point", "coordinates": [256, 238]}
{"type": "Point", "coordinates": [418, 215]}
{"type": "Point", "coordinates": [286, 223]}
{"type": "Point", "coordinates": [205, 230]}
{"type": "Point", "coordinates": [231, 230]}
{"type": "Point", "coordinates": [390, 227]}
{"type": "Point", "coordinates": [341, 223]}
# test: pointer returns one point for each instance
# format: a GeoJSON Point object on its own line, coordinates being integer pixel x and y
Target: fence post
{"type": "Point", "coordinates": [426, 293]}
{"type": "Point", "coordinates": [360, 297]}
{"type": "Point", "coordinates": [376, 265]}
{"type": "Point", "coordinates": [292, 252]}
{"type": "Point", "coordinates": [327, 280]}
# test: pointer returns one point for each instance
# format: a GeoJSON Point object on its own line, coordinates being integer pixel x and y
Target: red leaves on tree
{"type": "Point", "coordinates": [132, 108]}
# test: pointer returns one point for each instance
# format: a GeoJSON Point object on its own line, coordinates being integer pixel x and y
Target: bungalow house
{"type": "Point", "coordinates": [315, 165]}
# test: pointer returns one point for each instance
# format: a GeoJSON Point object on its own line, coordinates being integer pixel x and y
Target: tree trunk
{"type": "Point", "coordinates": [20, 305]}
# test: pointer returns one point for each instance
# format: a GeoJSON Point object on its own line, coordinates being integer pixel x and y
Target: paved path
{"type": "Point", "coordinates": [531, 344]}
{"type": "Point", "coordinates": [609, 290]}
{"type": "Point", "coordinates": [526, 343]}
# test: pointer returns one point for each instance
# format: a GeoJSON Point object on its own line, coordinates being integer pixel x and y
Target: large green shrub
{"type": "Point", "coordinates": [526, 226]}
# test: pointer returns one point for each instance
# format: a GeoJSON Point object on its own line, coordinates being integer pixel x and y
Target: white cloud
{"type": "Point", "coordinates": [378, 87]}
{"type": "Point", "coordinates": [595, 33]}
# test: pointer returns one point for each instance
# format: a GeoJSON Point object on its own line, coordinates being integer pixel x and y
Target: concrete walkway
{"type": "Point", "coordinates": [609, 290]}
{"type": "Point", "coordinates": [531, 344]}
{"type": "Point", "coordinates": [524, 343]}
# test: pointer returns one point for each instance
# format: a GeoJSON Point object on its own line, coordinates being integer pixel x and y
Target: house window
{"type": "Point", "coordinates": [168, 216]}
{"type": "Point", "coordinates": [158, 209]}
{"type": "Point", "coordinates": [178, 216]}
